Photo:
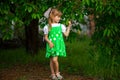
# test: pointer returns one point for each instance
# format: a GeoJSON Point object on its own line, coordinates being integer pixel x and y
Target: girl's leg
{"type": "Point", "coordinates": [55, 61]}
{"type": "Point", "coordinates": [52, 66]}
{"type": "Point", "coordinates": [53, 75]}
{"type": "Point", "coordinates": [56, 64]}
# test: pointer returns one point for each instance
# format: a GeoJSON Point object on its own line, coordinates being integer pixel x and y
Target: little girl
{"type": "Point", "coordinates": [55, 43]}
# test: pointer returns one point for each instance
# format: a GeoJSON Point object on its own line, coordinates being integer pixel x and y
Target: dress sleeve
{"type": "Point", "coordinates": [45, 29]}
{"type": "Point", "coordinates": [63, 28]}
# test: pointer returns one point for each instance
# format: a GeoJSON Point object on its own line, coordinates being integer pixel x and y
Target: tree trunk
{"type": "Point", "coordinates": [32, 37]}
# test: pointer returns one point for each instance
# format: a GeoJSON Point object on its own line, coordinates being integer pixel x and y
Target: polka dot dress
{"type": "Point", "coordinates": [56, 37]}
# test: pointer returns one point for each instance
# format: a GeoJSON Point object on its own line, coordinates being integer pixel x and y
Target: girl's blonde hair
{"type": "Point", "coordinates": [52, 14]}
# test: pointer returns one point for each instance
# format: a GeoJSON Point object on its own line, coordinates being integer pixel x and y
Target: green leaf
{"type": "Point", "coordinates": [29, 9]}
{"type": "Point", "coordinates": [108, 33]}
{"type": "Point", "coordinates": [105, 32]}
{"type": "Point", "coordinates": [88, 2]}
{"type": "Point", "coordinates": [16, 19]}
{"type": "Point", "coordinates": [111, 41]}
{"type": "Point", "coordinates": [38, 16]}
{"type": "Point", "coordinates": [34, 16]}
{"type": "Point", "coordinates": [118, 13]}
{"type": "Point", "coordinates": [92, 1]}
{"type": "Point", "coordinates": [5, 12]}
{"type": "Point", "coordinates": [110, 12]}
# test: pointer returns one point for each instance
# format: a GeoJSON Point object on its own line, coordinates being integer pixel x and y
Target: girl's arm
{"type": "Point", "coordinates": [48, 41]}
{"type": "Point", "coordinates": [66, 33]}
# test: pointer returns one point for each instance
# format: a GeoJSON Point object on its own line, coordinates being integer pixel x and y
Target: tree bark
{"type": "Point", "coordinates": [32, 41]}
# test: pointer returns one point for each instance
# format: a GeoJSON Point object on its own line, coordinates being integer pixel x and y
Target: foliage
{"type": "Point", "coordinates": [106, 36]}
{"type": "Point", "coordinates": [12, 10]}
{"type": "Point", "coordinates": [107, 26]}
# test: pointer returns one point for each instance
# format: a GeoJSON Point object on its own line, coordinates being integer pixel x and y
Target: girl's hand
{"type": "Point", "coordinates": [51, 45]}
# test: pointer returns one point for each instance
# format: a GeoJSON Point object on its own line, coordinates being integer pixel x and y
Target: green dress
{"type": "Point", "coordinates": [56, 37]}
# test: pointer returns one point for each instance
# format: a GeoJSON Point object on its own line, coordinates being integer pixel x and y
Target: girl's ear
{"type": "Point", "coordinates": [47, 12]}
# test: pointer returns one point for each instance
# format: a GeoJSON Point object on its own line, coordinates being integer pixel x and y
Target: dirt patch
{"type": "Point", "coordinates": [33, 72]}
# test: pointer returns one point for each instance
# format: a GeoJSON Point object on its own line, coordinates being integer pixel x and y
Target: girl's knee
{"type": "Point", "coordinates": [55, 59]}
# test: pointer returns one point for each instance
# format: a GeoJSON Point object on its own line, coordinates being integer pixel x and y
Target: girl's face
{"type": "Point", "coordinates": [56, 19]}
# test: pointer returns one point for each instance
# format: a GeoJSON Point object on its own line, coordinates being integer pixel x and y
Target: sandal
{"type": "Point", "coordinates": [59, 76]}
{"type": "Point", "coordinates": [53, 77]}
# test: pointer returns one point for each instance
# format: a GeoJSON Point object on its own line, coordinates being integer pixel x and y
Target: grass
{"type": "Point", "coordinates": [11, 57]}
{"type": "Point", "coordinates": [82, 59]}
{"type": "Point", "coordinates": [77, 55]}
